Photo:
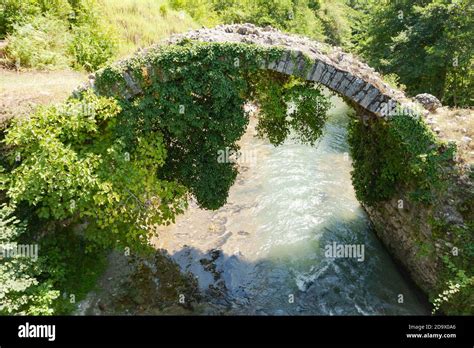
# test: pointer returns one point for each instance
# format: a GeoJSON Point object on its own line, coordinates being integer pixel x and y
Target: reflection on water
{"type": "Point", "coordinates": [281, 213]}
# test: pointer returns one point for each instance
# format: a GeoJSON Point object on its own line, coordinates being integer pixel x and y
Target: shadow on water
{"type": "Point", "coordinates": [268, 254]}
{"type": "Point", "coordinates": [304, 281]}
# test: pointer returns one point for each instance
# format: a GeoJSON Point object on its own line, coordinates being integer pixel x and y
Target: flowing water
{"type": "Point", "coordinates": [264, 251]}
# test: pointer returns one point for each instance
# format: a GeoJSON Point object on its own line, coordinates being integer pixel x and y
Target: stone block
{"type": "Point", "coordinates": [338, 77]}
{"type": "Point", "coordinates": [356, 85]}
{"type": "Point", "coordinates": [371, 95]}
{"type": "Point", "coordinates": [318, 73]}
{"type": "Point", "coordinates": [345, 82]}
{"type": "Point", "coordinates": [132, 86]}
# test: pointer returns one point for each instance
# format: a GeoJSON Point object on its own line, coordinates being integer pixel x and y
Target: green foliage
{"type": "Point", "coordinates": [94, 42]}
{"type": "Point", "coordinates": [458, 293]}
{"type": "Point", "coordinates": [203, 82]}
{"type": "Point", "coordinates": [164, 11]}
{"type": "Point", "coordinates": [20, 12]}
{"type": "Point", "coordinates": [449, 301]}
{"type": "Point", "coordinates": [394, 81]}
{"type": "Point", "coordinates": [338, 21]}
{"type": "Point", "coordinates": [68, 265]}
{"type": "Point", "coordinates": [142, 23]}
{"type": "Point", "coordinates": [278, 14]}
{"type": "Point", "coordinates": [123, 165]}
{"type": "Point", "coordinates": [21, 291]}
{"type": "Point", "coordinates": [325, 20]}
{"type": "Point", "coordinates": [41, 43]}
{"type": "Point", "coordinates": [401, 152]}
{"type": "Point", "coordinates": [200, 10]}
{"type": "Point", "coordinates": [60, 145]}
{"type": "Point", "coordinates": [272, 116]}
{"type": "Point", "coordinates": [73, 165]}
{"type": "Point", "coordinates": [455, 291]}
{"type": "Point", "coordinates": [31, 286]}
{"type": "Point", "coordinates": [306, 116]}
{"type": "Point", "coordinates": [62, 275]}
{"type": "Point", "coordinates": [437, 35]}
{"type": "Point", "coordinates": [91, 46]}
{"type": "Point", "coordinates": [56, 34]}
{"type": "Point", "coordinates": [194, 94]}
{"type": "Point", "coordinates": [13, 11]}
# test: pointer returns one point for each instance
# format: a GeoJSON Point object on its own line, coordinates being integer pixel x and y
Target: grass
{"type": "Point", "coordinates": [140, 23]}
{"type": "Point", "coordinates": [137, 23]}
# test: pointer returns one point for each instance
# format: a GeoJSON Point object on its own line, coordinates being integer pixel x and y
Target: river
{"type": "Point", "coordinates": [265, 251]}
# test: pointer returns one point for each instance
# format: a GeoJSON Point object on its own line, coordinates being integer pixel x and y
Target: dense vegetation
{"type": "Point", "coordinates": [403, 155]}
{"type": "Point", "coordinates": [325, 20]}
{"type": "Point", "coordinates": [141, 23]}
{"type": "Point", "coordinates": [20, 290]}
{"type": "Point", "coordinates": [436, 35]}
{"type": "Point", "coordinates": [120, 165]}
{"type": "Point", "coordinates": [55, 34]}
{"type": "Point", "coordinates": [402, 151]}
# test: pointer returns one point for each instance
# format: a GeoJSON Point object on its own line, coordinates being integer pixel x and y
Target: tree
{"type": "Point", "coordinates": [428, 44]}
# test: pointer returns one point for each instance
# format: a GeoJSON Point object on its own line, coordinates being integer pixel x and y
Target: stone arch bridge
{"type": "Point", "coordinates": [357, 83]}
{"type": "Point", "coordinates": [362, 88]}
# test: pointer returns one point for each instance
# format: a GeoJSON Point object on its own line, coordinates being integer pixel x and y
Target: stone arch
{"type": "Point", "coordinates": [361, 87]}
{"type": "Point", "coordinates": [357, 83]}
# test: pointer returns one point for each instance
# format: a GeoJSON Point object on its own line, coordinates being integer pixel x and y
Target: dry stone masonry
{"type": "Point", "coordinates": [342, 73]}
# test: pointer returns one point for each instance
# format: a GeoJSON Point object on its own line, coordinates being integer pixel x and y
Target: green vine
{"type": "Point", "coordinates": [127, 160]}
{"type": "Point", "coordinates": [400, 153]}
{"type": "Point", "coordinates": [455, 292]}
{"type": "Point", "coordinates": [289, 105]}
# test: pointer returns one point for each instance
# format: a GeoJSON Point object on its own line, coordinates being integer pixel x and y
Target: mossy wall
{"type": "Point", "coordinates": [420, 201]}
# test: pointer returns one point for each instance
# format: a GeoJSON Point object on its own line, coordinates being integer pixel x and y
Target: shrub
{"type": "Point", "coordinates": [21, 12]}
{"type": "Point", "coordinates": [20, 291]}
{"type": "Point", "coordinates": [70, 267]}
{"type": "Point", "coordinates": [401, 152]}
{"type": "Point", "coordinates": [41, 43]}
{"type": "Point", "coordinates": [56, 34]}
{"type": "Point", "coordinates": [92, 46]}
{"type": "Point", "coordinates": [305, 118]}
{"type": "Point", "coordinates": [93, 42]}
{"type": "Point", "coordinates": [72, 165]}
